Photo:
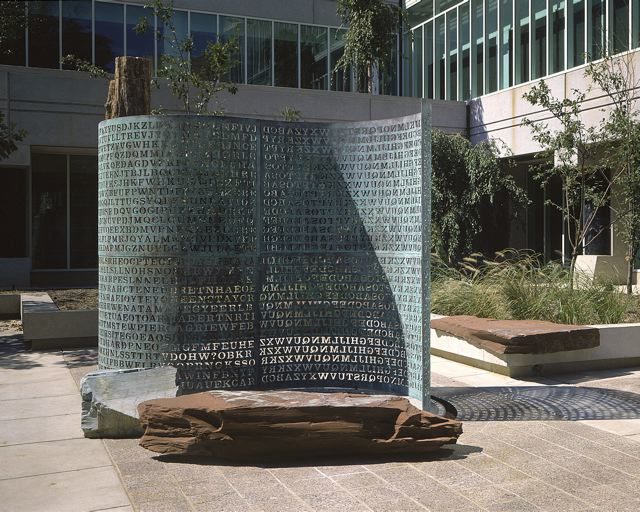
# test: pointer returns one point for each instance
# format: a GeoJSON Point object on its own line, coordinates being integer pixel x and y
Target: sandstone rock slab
{"type": "Point", "coordinates": [518, 336]}
{"type": "Point", "coordinates": [110, 399]}
{"type": "Point", "coordinates": [289, 424]}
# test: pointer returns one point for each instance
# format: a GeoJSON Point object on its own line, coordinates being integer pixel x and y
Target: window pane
{"type": "Point", "coordinates": [76, 29]}
{"type": "Point", "coordinates": [506, 43]}
{"type": "Point", "coordinates": [204, 29]}
{"type": "Point", "coordinates": [440, 58]}
{"type": "Point", "coordinates": [140, 45]}
{"type": "Point", "coordinates": [258, 52]}
{"type": "Point", "coordinates": [539, 53]}
{"type": "Point", "coordinates": [428, 60]}
{"type": "Point", "coordinates": [49, 211]}
{"type": "Point", "coordinates": [598, 30]}
{"type": "Point", "coordinates": [557, 37]}
{"type": "Point", "coordinates": [416, 71]}
{"type": "Point", "coordinates": [407, 68]}
{"type": "Point", "coordinates": [13, 201]}
{"type": "Point", "coordinates": [340, 80]}
{"type": "Point", "coordinates": [620, 32]}
{"type": "Point", "coordinates": [465, 48]}
{"type": "Point", "coordinates": [313, 57]}
{"type": "Point", "coordinates": [83, 204]}
{"type": "Point", "coordinates": [12, 43]}
{"type": "Point", "coordinates": [44, 42]}
{"type": "Point", "coordinates": [233, 29]}
{"type": "Point", "coordinates": [286, 54]}
{"type": "Point", "coordinates": [452, 51]}
{"type": "Point", "coordinates": [388, 78]}
{"type": "Point", "coordinates": [477, 46]}
{"type": "Point", "coordinates": [522, 42]}
{"type": "Point", "coordinates": [166, 43]}
{"type": "Point", "coordinates": [109, 38]}
{"type": "Point", "coordinates": [635, 36]}
{"type": "Point", "coordinates": [443, 5]}
{"type": "Point", "coordinates": [576, 20]}
{"type": "Point", "coordinates": [492, 47]}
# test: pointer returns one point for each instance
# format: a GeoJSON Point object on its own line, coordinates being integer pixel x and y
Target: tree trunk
{"type": "Point", "coordinates": [631, 253]}
{"type": "Point", "coordinates": [130, 89]}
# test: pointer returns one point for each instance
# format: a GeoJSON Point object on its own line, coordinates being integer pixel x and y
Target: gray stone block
{"type": "Point", "coordinates": [110, 399]}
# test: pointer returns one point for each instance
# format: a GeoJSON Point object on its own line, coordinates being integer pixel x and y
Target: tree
{"type": "Point", "coordinates": [194, 85]}
{"type": "Point", "coordinates": [372, 26]}
{"type": "Point", "coordinates": [464, 177]}
{"type": "Point", "coordinates": [615, 76]}
{"type": "Point", "coordinates": [574, 148]}
{"type": "Point", "coordinates": [12, 24]}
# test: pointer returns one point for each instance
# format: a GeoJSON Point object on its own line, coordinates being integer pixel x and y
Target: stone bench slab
{"type": "Point", "coordinates": [518, 336]}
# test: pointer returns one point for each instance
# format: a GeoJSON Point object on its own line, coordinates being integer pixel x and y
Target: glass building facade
{"type": "Point", "coordinates": [271, 52]}
{"type": "Point", "coordinates": [460, 50]}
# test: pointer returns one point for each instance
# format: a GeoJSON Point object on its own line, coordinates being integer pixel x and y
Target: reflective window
{"type": "Point", "coordinates": [286, 54]}
{"type": "Point", "coordinates": [557, 37]}
{"type": "Point", "coordinates": [539, 49]}
{"type": "Point", "coordinates": [258, 52]}
{"type": "Point", "coordinates": [491, 61]}
{"type": "Point", "coordinates": [506, 43]}
{"type": "Point", "coordinates": [340, 79]}
{"type": "Point", "coordinates": [168, 43]}
{"type": "Point", "coordinates": [443, 5]}
{"type": "Point", "coordinates": [598, 43]}
{"type": "Point", "coordinates": [204, 29]}
{"type": "Point", "coordinates": [76, 29]}
{"type": "Point", "coordinates": [428, 60]}
{"type": "Point", "coordinates": [388, 78]}
{"type": "Point", "coordinates": [49, 211]}
{"type": "Point", "coordinates": [576, 51]}
{"type": "Point", "coordinates": [140, 45]}
{"type": "Point", "coordinates": [452, 53]}
{"type": "Point", "coordinates": [477, 47]}
{"type": "Point", "coordinates": [12, 43]}
{"type": "Point", "coordinates": [109, 34]}
{"type": "Point", "coordinates": [232, 28]}
{"type": "Point", "coordinates": [83, 211]}
{"type": "Point", "coordinates": [635, 36]}
{"type": "Point", "coordinates": [522, 42]}
{"type": "Point", "coordinates": [416, 64]}
{"type": "Point", "coordinates": [44, 40]}
{"type": "Point", "coordinates": [313, 57]}
{"type": "Point", "coordinates": [13, 198]}
{"type": "Point", "coordinates": [465, 48]}
{"type": "Point", "coordinates": [440, 58]}
{"type": "Point", "coordinates": [407, 65]}
{"type": "Point", "coordinates": [620, 29]}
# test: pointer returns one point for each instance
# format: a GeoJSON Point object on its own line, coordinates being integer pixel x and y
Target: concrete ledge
{"type": "Point", "coordinates": [9, 306]}
{"type": "Point", "coordinates": [619, 348]}
{"type": "Point", "coordinates": [46, 327]}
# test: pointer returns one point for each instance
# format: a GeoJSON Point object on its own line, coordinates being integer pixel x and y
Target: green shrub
{"type": "Point", "coordinates": [515, 286]}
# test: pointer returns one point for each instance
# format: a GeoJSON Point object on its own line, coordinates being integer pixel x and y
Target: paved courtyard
{"type": "Point", "coordinates": [47, 465]}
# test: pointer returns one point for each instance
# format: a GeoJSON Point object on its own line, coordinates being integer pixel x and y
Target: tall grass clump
{"type": "Point", "coordinates": [516, 286]}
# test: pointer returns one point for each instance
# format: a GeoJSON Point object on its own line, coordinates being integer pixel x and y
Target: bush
{"type": "Point", "coordinates": [515, 286]}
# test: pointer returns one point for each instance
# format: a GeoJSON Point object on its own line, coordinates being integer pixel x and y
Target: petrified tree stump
{"type": "Point", "coordinates": [130, 90]}
{"type": "Point", "coordinates": [245, 425]}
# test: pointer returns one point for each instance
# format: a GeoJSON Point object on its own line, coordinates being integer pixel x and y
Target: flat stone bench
{"type": "Point", "coordinates": [518, 336]}
{"type": "Point", "coordinates": [520, 348]}
{"type": "Point", "coordinates": [46, 327]}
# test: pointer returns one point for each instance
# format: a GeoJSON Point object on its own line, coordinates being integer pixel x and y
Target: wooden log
{"type": "Point", "coordinates": [130, 90]}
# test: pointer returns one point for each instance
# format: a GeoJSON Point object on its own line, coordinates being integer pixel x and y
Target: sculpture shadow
{"type": "Point", "coordinates": [447, 452]}
{"type": "Point", "coordinates": [540, 403]}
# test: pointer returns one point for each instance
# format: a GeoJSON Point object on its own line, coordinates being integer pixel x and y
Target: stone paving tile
{"type": "Point", "coordinates": [69, 491]}
{"type": "Point", "coordinates": [42, 389]}
{"type": "Point", "coordinates": [52, 457]}
{"type": "Point", "coordinates": [335, 501]}
{"type": "Point", "coordinates": [545, 496]}
{"type": "Point", "coordinates": [492, 469]}
{"type": "Point", "coordinates": [358, 480]}
{"type": "Point", "coordinates": [450, 473]}
{"type": "Point", "coordinates": [172, 504]}
{"type": "Point", "coordinates": [386, 498]}
{"type": "Point", "coordinates": [37, 407]}
{"type": "Point", "coordinates": [47, 428]}
{"type": "Point", "coordinates": [315, 485]}
{"type": "Point", "coordinates": [341, 470]}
